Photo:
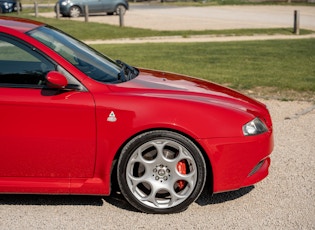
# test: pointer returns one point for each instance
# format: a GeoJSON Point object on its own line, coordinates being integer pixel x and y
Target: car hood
{"type": "Point", "coordinates": [181, 87]}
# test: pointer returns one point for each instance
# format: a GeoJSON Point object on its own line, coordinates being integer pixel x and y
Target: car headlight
{"type": "Point", "coordinates": [65, 2]}
{"type": "Point", "coordinates": [254, 127]}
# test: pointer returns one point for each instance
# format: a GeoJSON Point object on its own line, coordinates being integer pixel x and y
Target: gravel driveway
{"type": "Point", "coordinates": [215, 17]}
{"type": "Point", "coordinates": [285, 200]}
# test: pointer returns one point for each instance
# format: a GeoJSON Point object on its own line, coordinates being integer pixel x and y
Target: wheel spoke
{"type": "Point", "coordinates": [159, 147]}
{"type": "Point", "coordinates": [172, 199]}
{"type": "Point", "coordinates": [175, 198]}
{"type": "Point", "coordinates": [182, 154]}
{"type": "Point", "coordinates": [137, 157]}
{"type": "Point", "coordinates": [151, 197]}
{"type": "Point", "coordinates": [190, 178]}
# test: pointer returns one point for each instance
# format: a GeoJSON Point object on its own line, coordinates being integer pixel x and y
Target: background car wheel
{"type": "Point", "coordinates": [123, 9]}
{"type": "Point", "coordinates": [161, 172]}
{"type": "Point", "coordinates": [75, 11]}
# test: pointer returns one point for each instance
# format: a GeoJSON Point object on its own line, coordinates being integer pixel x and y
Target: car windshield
{"type": "Point", "coordinates": [89, 61]}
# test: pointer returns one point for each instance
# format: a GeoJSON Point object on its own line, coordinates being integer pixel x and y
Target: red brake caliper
{"type": "Point", "coordinates": [181, 167]}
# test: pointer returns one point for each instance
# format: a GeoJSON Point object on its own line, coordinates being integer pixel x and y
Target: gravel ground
{"type": "Point", "coordinates": [216, 17]}
{"type": "Point", "coordinates": [284, 200]}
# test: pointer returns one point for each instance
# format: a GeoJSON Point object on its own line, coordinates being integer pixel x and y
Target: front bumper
{"type": "Point", "coordinates": [238, 162]}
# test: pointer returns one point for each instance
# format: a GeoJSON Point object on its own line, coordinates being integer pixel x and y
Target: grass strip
{"type": "Point", "coordinates": [277, 65]}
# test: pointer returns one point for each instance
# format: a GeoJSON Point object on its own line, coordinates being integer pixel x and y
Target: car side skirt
{"type": "Point", "coordinates": [91, 186]}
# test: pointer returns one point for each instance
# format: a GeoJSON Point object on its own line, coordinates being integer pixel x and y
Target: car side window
{"type": "Point", "coordinates": [22, 65]}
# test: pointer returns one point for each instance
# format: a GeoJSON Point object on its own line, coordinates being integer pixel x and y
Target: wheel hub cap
{"type": "Point", "coordinates": [160, 172]}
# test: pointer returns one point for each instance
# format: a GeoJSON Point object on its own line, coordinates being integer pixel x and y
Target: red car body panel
{"type": "Point", "coordinates": [18, 24]}
{"type": "Point", "coordinates": [81, 143]}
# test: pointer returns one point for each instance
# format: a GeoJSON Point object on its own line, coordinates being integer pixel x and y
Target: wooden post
{"type": "Point", "coordinates": [36, 9]}
{"type": "Point", "coordinates": [18, 9]}
{"type": "Point", "coordinates": [57, 10]}
{"type": "Point", "coordinates": [86, 13]}
{"type": "Point", "coordinates": [121, 17]}
{"type": "Point", "coordinates": [296, 22]}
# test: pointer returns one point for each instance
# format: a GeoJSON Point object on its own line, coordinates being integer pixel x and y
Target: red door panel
{"type": "Point", "coordinates": [46, 134]}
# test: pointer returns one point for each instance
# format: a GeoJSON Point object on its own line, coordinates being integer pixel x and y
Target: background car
{"type": "Point", "coordinates": [74, 8]}
{"type": "Point", "coordinates": [8, 6]}
{"type": "Point", "coordinates": [74, 121]}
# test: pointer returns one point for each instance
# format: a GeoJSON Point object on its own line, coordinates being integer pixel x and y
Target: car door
{"type": "Point", "coordinates": [108, 6]}
{"type": "Point", "coordinates": [44, 132]}
{"type": "Point", "coordinates": [95, 6]}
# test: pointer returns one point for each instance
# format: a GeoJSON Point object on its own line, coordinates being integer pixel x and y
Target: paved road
{"type": "Point", "coordinates": [216, 17]}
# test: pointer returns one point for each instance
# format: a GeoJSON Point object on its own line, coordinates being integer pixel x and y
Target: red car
{"type": "Point", "coordinates": [74, 121]}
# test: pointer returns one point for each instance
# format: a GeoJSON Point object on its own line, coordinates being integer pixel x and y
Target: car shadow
{"type": "Point", "coordinates": [99, 14]}
{"type": "Point", "coordinates": [22, 199]}
{"type": "Point", "coordinates": [116, 199]}
{"type": "Point", "coordinates": [206, 198]}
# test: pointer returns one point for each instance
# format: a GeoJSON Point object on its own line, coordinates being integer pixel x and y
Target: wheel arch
{"type": "Point", "coordinates": [113, 173]}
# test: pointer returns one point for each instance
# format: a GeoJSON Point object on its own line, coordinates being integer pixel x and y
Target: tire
{"type": "Point", "coordinates": [123, 9]}
{"type": "Point", "coordinates": [74, 11]}
{"type": "Point", "coordinates": [161, 172]}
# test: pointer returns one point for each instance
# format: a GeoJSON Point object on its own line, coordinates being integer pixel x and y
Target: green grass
{"type": "Point", "coordinates": [282, 65]}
